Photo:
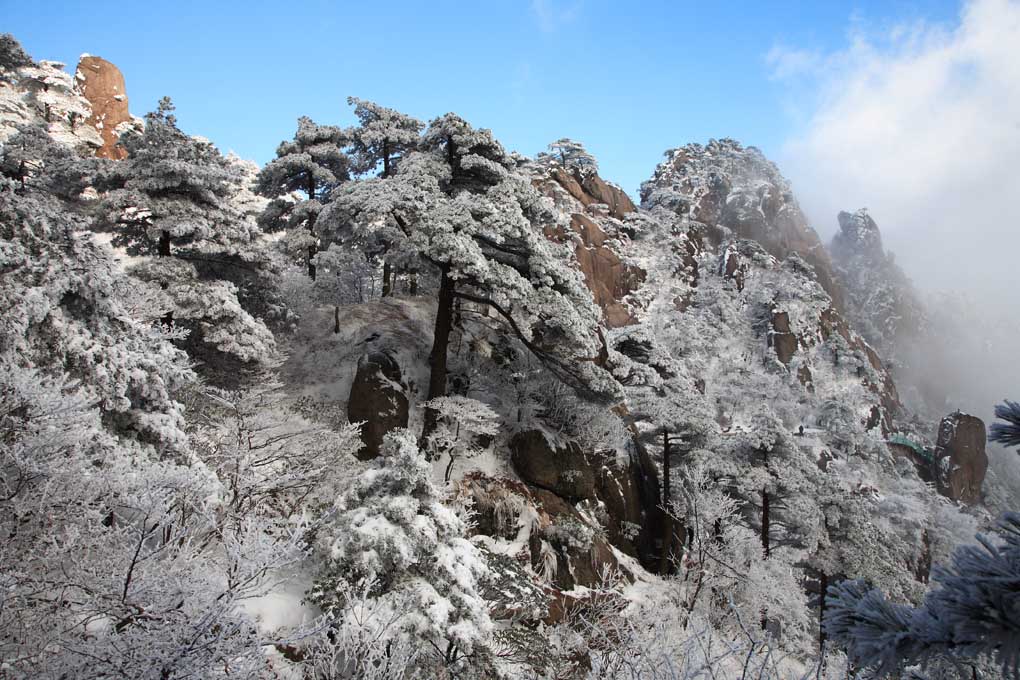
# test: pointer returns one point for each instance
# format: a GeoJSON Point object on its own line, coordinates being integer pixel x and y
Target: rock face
{"type": "Point", "coordinates": [628, 495]}
{"type": "Point", "coordinates": [564, 471]}
{"type": "Point", "coordinates": [960, 459]}
{"type": "Point", "coordinates": [589, 188]}
{"type": "Point", "coordinates": [102, 84]}
{"type": "Point", "coordinates": [377, 400]}
{"type": "Point", "coordinates": [783, 340]}
{"type": "Point", "coordinates": [607, 276]}
{"type": "Point", "coordinates": [880, 300]}
{"type": "Point", "coordinates": [735, 191]}
{"type": "Point", "coordinates": [595, 208]}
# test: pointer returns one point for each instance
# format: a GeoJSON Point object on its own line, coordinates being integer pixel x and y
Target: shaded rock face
{"type": "Point", "coordinates": [960, 458]}
{"type": "Point", "coordinates": [378, 401]}
{"type": "Point", "coordinates": [729, 187]}
{"type": "Point", "coordinates": [858, 236]}
{"type": "Point", "coordinates": [783, 340]}
{"type": "Point", "coordinates": [589, 188]}
{"type": "Point", "coordinates": [582, 555]}
{"type": "Point", "coordinates": [564, 471]}
{"type": "Point", "coordinates": [880, 299]}
{"type": "Point", "coordinates": [102, 84]}
{"type": "Point", "coordinates": [628, 494]}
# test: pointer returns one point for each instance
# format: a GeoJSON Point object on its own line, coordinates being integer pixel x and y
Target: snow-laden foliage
{"type": "Point", "coordinates": [12, 55]}
{"type": "Point", "coordinates": [569, 154]}
{"type": "Point", "coordinates": [1007, 433]}
{"type": "Point", "coordinates": [973, 611]}
{"type": "Point", "coordinates": [382, 136]}
{"type": "Point", "coordinates": [117, 560]}
{"type": "Point", "coordinates": [170, 204]}
{"type": "Point", "coordinates": [460, 206]}
{"type": "Point", "coordinates": [465, 428]}
{"type": "Point", "coordinates": [312, 163]}
{"type": "Point", "coordinates": [42, 94]}
{"type": "Point", "coordinates": [392, 531]}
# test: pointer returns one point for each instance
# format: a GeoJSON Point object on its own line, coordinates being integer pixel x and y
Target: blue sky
{"type": "Point", "coordinates": [628, 79]}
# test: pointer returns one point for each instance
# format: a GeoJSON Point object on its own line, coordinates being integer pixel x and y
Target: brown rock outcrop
{"type": "Point", "coordinates": [102, 84]}
{"type": "Point", "coordinates": [589, 188]}
{"type": "Point", "coordinates": [960, 458]}
{"type": "Point", "coordinates": [782, 339]}
{"type": "Point", "coordinates": [377, 401]}
{"type": "Point", "coordinates": [608, 277]}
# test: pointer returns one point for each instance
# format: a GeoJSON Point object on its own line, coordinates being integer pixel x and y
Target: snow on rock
{"type": "Point", "coordinates": [735, 191]}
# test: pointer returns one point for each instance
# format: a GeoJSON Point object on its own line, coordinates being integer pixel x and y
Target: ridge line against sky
{"type": "Point", "coordinates": [627, 80]}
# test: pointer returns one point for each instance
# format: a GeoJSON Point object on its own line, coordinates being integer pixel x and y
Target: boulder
{"type": "Point", "coordinates": [565, 471]}
{"type": "Point", "coordinates": [378, 400]}
{"type": "Point", "coordinates": [102, 84]}
{"type": "Point", "coordinates": [960, 459]}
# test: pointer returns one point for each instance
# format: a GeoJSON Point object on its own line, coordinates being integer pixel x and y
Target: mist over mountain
{"type": "Point", "coordinates": [402, 402]}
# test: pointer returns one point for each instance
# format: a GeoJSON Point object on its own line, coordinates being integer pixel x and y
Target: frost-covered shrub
{"type": "Point", "coordinates": [392, 530]}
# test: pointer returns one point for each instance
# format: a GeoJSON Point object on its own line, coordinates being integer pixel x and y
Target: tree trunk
{"type": "Point", "coordinates": [670, 530]}
{"type": "Point", "coordinates": [821, 611]}
{"type": "Point", "coordinates": [413, 286]}
{"type": "Point", "coordinates": [336, 319]}
{"type": "Point", "coordinates": [164, 244]}
{"type": "Point", "coordinates": [386, 158]}
{"type": "Point", "coordinates": [766, 549]}
{"type": "Point", "coordinates": [387, 279]}
{"type": "Point", "coordinates": [437, 358]}
{"type": "Point", "coordinates": [314, 248]}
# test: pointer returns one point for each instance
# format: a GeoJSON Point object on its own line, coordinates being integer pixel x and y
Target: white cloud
{"type": "Point", "coordinates": [921, 124]}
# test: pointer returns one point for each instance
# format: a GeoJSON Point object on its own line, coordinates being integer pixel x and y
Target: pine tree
{"type": "Point", "coordinates": [312, 163]}
{"type": "Point", "coordinates": [383, 136]}
{"type": "Point", "coordinates": [462, 206]}
{"type": "Point", "coordinates": [169, 203]}
{"type": "Point", "coordinates": [571, 155]}
{"type": "Point", "coordinates": [12, 56]}
{"type": "Point", "coordinates": [393, 535]}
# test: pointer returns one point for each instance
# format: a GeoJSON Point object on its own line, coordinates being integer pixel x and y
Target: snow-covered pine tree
{"type": "Point", "coordinates": [393, 535]}
{"type": "Point", "coordinates": [571, 155]}
{"type": "Point", "coordinates": [12, 56]}
{"type": "Point", "coordinates": [382, 136]}
{"type": "Point", "coordinates": [461, 206]}
{"type": "Point", "coordinates": [1007, 433]}
{"type": "Point", "coordinates": [463, 428]}
{"type": "Point", "coordinates": [312, 163]}
{"type": "Point", "coordinates": [169, 203]}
